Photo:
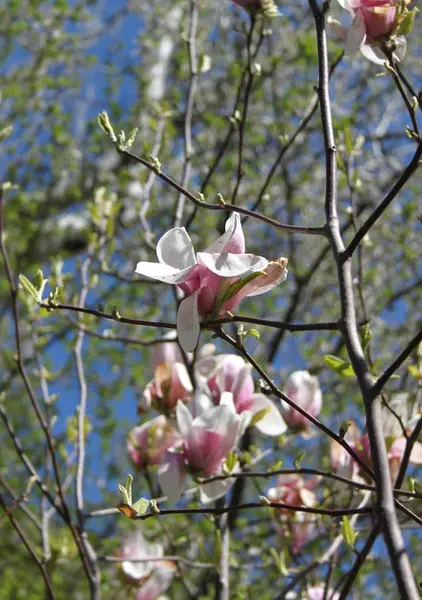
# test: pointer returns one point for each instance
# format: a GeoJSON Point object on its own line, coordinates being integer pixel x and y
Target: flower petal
{"type": "Point", "coordinates": [272, 423]}
{"type": "Point", "coordinates": [373, 54]}
{"type": "Point", "coordinates": [188, 322]}
{"type": "Point", "coordinates": [215, 489]}
{"type": "Point", "coordinates": [356, 35]}
{"type": "Point", "coordinates": [232, 265]}
{"type": "Point", "coordinates": [171, 475]}
{"type": "Point", "coordinates": [232, 240]}
{"type": "Point", "coordinates": [175, 249]}
{"type": "Point", "coordinates": [184, 419]}
{"type": "Point", "coordinates": [164, 273]}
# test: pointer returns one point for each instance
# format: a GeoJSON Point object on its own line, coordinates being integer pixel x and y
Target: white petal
{"type": "Point", "coordinates": [345, 4]}
{"type": "Point", "coordinates": [183, 376]}
{"type": "Point", "coordinates": [232, 265]}
{"type": "Point", "coordinates": [337, 28]}
{"type": "Point", "coordinates": [171, 477]}
{"type": "Point", "coordinates": [184, 419]}
{"type": "Point", "coordinates": [356, 36]}
{"type": "Point", "coordinates": [188, 322]}
{"type": "Point", "coordinates": [161, 272]}
{"type": "Point", "coordinates": [175, 249]}
{"type": "Point", "coordinates": [400, 51]}
{"type": "Point", "coordinates": [272, 423]}
{"type": "Point", "coordinates": [373, 54]}
{"type": "Point", "coordinates": [200, 403]}
{"type": "Point", "coordinates": [218, 419]}
{"type": "Point", "coordinates": [226, 399]}
{"type": "Point", "coordinates": [215, 489]}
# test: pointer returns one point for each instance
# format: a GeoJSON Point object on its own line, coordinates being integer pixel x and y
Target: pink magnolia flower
{"type": "Point", "coordinates": [395, 453]}
{"type": "Point", "coordinates": [372, 19]}
{"type": "Point", "coordinates": [230, 373]}
{"type": "Point", "coordinates": [148, 443]}
{"type": "Point", "coordinates": [215, 280]}
{"type": "Point", "coordinates": [171, 383]}
{"type": "Point", "coordinates": [207, 439]}
{"type": "Point", "coordinates": [295, 491]}
{"type": "Point", "coordinates": [154, 577]}
{"type": "Point", "coordinates": [305, 391]}
{"type": "Point", "coordinates": [319, 592]}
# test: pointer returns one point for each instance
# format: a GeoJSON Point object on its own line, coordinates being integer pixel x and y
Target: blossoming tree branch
{"type": "Point", "coordinates": [158, 442]}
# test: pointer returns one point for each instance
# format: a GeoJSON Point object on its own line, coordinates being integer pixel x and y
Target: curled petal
{"type": "Point", "coordinates": [272, 422]}
{"type": "Point", "coordinates": [232, 240]}
{"type": "Point", "coordinates": [175, 249]}
{"type": "Point", "coordinates": [232, 265]}
{"type": "Point", "coordinates": [188, 322]}
{"type": "Point", "coordinates": [373, 53]}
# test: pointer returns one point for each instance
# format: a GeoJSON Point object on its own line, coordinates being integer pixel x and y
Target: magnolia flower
{"type": "Point", "coordinates": [295, 491]}
{"type": "Point", "coordinates": [230, 373]}
{"type": "Point", "coordinates": [171, 383]}
{"type": "Point", "coordinates": [136, 547]}
{"type": "Point", "coordinates": [319, 592]}
{"type": "Point", "coordinates": [154, 577]}
{"type": "Point", "coordinates": [304, 390]}
{"type": "Point", "coordinates": [372, 19]}
{"type": "Point", "coordinates": [206, 441]}
{"type": "Point", "coordinates": [148, 443]}
{"type": "Point", "coordinates": [396, 449]}
{"type": "Point", "coordinates": [215, 280]}
{"type": "Point", "coordinates": [395, 441]}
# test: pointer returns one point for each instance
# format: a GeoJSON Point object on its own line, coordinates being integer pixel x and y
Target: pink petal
{"type": "Point", "coordinates": [232, 240]}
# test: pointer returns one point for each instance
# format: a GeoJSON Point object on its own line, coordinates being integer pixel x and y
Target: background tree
{"type": "Point", "coordinates": [225, 100]}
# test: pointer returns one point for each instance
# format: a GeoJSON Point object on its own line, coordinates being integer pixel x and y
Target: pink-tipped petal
{"type": "Point", "coordinates": [232, 240]}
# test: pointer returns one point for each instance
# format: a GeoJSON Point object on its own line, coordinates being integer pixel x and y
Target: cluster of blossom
{"type": "Point", "coordinates": [197, 429]}
{"type": "Point", "coordinates": [397, 424]}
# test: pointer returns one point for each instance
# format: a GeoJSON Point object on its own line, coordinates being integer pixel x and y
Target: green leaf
{"type": "Point", "coordinates": [347, 531]}
{"type": "Point", "coordinates": [414, 371]}
{"type": "Point", "coordinates": [407, 21]}
{"type": "Point", "coordinates": [340, 366]}
{"type": "Point", "coordinates": [29, 287]}
{"type": "Point", "coordinates": [128, 486]}
{"type": "Point", "coordinates": [299, 459]}
{"type": "Point", "coordinates": [365, 335]}
{"type": "Point", "coordinates": [280, 561]}
{"type": "Point", "coordinates": [141, 506]}
{"type": "Point", "coordinates": [230, 462]}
